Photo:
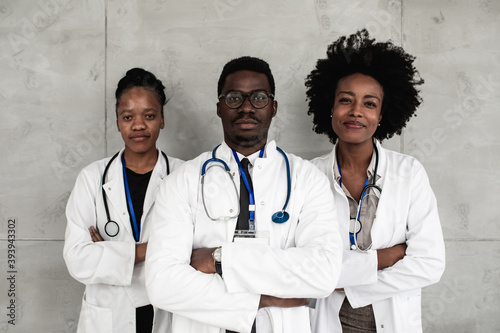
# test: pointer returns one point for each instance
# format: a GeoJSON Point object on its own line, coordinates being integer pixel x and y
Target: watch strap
{"type": "Point", "coordinates": [218, 267]}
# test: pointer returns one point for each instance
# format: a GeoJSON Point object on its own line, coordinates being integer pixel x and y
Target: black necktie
{"type": "Point", "coordinates": [244, 216]}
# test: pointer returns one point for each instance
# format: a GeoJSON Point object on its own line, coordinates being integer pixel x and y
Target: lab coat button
{"type": "Point", "coordinates": [262, 203]}
{"type": "Point", "coordinates": [260, 166]}
{"type": "Point", "coordinates": [382, 326]}
{"type": "Point", "coordinates": [109, 188]}
{"type": "Point", "coordinates": [230, 210]}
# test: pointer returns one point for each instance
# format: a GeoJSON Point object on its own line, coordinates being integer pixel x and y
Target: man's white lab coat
{"type": "Point", "coordinates": [301, 258]}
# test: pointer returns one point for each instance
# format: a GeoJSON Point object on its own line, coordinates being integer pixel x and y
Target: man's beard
{"type": "Point", "coordinates": [244, 139]}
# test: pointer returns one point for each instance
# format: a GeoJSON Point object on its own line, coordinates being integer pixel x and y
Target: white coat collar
{"type": "Point", "coordinates": [225, 153]}
{"type": "Point", "coordinates": [116, 166]}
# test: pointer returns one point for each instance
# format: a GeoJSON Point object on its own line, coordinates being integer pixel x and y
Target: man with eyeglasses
{"type": "Point", "coordinates": [243, 236]}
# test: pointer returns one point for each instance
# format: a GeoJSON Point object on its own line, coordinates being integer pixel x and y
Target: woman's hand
{"type": "Point", "coordinates": [95, 235]}
{"type": "Point", "coordinates": [391, 255]}
{"type": "Point", "coordinates": [140, 249]}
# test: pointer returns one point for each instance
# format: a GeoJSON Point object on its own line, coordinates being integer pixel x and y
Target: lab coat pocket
{"type": "Point", "coordinates": [94, 319]}
{"type": "Point", "coordinates": [409, 311]}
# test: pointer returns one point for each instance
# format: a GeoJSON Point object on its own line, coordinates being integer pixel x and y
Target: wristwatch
{"type": "Point", "coordinates": [217, 256]}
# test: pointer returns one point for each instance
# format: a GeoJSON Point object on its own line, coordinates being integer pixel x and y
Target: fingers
{"type": "Point", "coordinates": [95, 235]}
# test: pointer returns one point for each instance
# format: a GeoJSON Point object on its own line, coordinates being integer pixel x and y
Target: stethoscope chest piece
{"type": "Point", "coordinates": [111, 228]}
{"type": "Point", "coordinates": [354, 226]}
{"type": "Point", "coordinates": [280, 217]}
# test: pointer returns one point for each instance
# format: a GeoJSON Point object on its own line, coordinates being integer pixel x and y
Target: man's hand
{"type": "Point", "coordinates": [201, 260]}
{"type": "Point", "coordinates": [391, 255]}
{"type": "Point", "coordinates": [95, 235]}
{"type": "Point", "coordinates": [266, 301]}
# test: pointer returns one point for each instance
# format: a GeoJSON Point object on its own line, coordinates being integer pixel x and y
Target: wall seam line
{"type": "Point", "coordinates": [105, 78]}
{"type": "Point", "coordinates": [402, 137]}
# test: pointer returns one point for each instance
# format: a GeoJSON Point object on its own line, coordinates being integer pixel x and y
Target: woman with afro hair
{"type": "Point", "coordinates": [362, 93]}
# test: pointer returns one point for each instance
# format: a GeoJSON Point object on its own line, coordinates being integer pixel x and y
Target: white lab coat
{"type": "Point", "coordinates": [302, 257]}
{"type": "Point", "coordinates": [406, 213]}
{"type": "Point", "coordinates": [114, 285]}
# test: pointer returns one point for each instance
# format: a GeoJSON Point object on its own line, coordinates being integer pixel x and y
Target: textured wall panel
{"type": "Point", "coordinates": [61, 60]}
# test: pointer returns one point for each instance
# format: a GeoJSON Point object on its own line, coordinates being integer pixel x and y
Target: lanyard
{"type": "Point", "coordinates": [137, 228]}
{"type": "Point", "coordinates": [251, 206]}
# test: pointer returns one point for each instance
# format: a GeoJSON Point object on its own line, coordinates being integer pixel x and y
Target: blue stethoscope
{"type": "Point", "coordinates": [111, 228]}
{"type": "Point", "coordinates": [278, 217]}
{"type": "Point", "coordinates": [355, 223]}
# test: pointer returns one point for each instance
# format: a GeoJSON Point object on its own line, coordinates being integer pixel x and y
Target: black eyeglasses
{"type": "Point", "coordinates": [234, 98]}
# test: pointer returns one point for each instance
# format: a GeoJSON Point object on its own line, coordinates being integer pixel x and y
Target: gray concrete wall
{"type": "Point", "coordinates": [60, 61]}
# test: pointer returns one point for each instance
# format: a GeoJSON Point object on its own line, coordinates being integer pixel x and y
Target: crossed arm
{"type": "Point", "coordinates": [201, 260]}
{"type": "Point", "coordinates": [140, 249]}
{"type": "Point", "coordinates": [391, 255]}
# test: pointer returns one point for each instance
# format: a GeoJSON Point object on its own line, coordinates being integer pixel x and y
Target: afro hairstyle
{"type": "Point", "coordinates": [388, 64]}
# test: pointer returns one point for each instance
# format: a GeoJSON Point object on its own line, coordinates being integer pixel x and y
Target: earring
{"type": "Point", "coordinates": [378, 124]}
{"type": "Point", "coordinates": [331, 116]}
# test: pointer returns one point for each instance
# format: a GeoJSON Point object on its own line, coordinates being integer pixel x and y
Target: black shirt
{"type": "Point", "coordinates": [138, 185]}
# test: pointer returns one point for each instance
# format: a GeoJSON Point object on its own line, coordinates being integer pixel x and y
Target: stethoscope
{"type": "Point", "coordinates": [355, 223]}
{"type": "Point", "coordinates": [278, 217]}
{"type": "Point", "coordinates": [111, 228]}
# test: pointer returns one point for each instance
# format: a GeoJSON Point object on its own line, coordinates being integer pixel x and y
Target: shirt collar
{"type": "Point", "coordinates": [369, 172]}
{"type": "Point", "coordinates": [251, 158]}
{"type": "Point", "coordinates": [269, 152]}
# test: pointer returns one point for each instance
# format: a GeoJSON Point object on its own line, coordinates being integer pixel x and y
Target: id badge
{"type": "Point", "coordinates": [251, 237]}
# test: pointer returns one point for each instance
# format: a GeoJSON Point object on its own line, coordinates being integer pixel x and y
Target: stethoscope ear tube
{"type": "Point", "coordinates": [279, 217]}
{"type": "Point", "coordinates": [222, 218]}
{"type": "Point", "coordinates": [355, 224]}
{"type": "Point", "coordinates": [111, 228]}
{"type": "Point", "coordinates": [104, 198]}
{"type": "Point", "coordinates": [283, 216]}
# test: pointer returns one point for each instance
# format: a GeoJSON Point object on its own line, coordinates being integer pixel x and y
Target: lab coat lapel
{"type": "Point", "coordinates": [115, 193]}
{"type": "Point", "coordinates": [159, 172]}
{"type": "Point", "coordinates": [270, 177]}
{"type": "Point", "coordinates": [384, 227]}
{"type": "Point", "coordinates": [225, 153]}
{"type": "Point", "coordinates": [343, 207]}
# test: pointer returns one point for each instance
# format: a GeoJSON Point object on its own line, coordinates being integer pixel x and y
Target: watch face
{"type": "Point", "coordinates": [217, 254]}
